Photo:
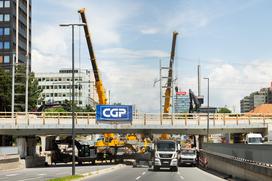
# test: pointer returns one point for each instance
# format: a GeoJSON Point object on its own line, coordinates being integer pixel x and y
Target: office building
{"type": "Point", "coordinates": [15, 31]}
{"type": "Point", "coordinates": [263, 96]}
{"type": "Point", "coordinates": [57, 87]}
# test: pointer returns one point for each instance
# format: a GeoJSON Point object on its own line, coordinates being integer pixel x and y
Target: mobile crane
{"type": "Point", "coordinates": [169, 83]}
{"type": "Point", "coordinates": [109, 139]}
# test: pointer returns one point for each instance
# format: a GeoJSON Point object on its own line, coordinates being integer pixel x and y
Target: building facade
{"type": "Point", "coordinates": [57, 87]}
{"type": "Point", "coordinates": [263, 96]}
{"type": "Point", "coordinates": [245, 104]}
{"type": "Point", "coordinates": [15, 31]}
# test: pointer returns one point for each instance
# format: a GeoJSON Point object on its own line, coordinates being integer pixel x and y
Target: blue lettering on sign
{"type": "Point", "coordinates": [113, 113]}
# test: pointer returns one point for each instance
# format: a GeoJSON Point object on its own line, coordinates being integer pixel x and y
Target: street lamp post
{"type": "Point", "coordinates": [73, 91]}
{"type": "Point", "coordinates": [208, 107]}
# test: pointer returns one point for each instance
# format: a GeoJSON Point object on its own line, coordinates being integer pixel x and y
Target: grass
{"type": "Point", "coordinates": [67, 178]}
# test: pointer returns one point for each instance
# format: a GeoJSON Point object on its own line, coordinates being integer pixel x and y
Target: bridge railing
{"type": "Point", "coordinates": [182, 119]}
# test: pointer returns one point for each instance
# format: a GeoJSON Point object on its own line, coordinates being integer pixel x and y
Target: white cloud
{"type": "Point", "coordinates": [150, 30]}
{"type": "Point", "coordinates": [123, 53]}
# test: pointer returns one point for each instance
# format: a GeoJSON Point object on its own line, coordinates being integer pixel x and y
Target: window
{"type": "Point", "coordinates": [7, 4]}
{"type": "Point", "coordinates": [1, 45]}
{"type": "Point", "coordinates": [1, 4]}
{"type": "Point", "coordinates": [6, 31]}
{"type": "Point", "coordinates": [1, 17]}
{"type": "Point", "coordinates": [6, 59]}
{"type": "Point", "coordinates": [1, 59]}
{"type": "Point", "coordinates": [6, 17]}
{"type": "Point", "coordinates": [6, 45]}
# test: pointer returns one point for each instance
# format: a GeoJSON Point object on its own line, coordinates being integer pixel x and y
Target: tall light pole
{"type": "Point", "coordinates": [73, 91]}
{"type": "Point", "coordinates": [208, 107]}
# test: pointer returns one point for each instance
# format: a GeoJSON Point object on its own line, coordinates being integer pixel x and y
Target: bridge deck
{"type": "Point", "coordinates": [44, 123]}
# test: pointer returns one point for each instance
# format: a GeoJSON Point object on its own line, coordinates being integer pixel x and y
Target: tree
{"type": "Point", "coordinates": [224, 110]}
{"type": "Point", "coordinates": [34, 91]}
{"type": "Point", "coordinates": [5, 90]}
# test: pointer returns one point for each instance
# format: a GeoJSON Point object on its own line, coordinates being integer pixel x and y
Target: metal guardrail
{"type": "Point", "coordinates": [185, 119]}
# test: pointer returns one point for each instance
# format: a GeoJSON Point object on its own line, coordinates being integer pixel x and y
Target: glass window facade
{"type": "Point", "coordinates": [6, 59]}
{"type": "Point", "coordinates": [6, 31]}
{"type": "Point", "coordinates": [7, 4]}
{"type": "Point", "coordinates": [6, 45]}
{"type": "Point", "coordinates": [6, 17]}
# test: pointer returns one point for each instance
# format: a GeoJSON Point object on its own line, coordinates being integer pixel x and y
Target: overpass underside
{"type": "Point", "coordinates": [99, 129]}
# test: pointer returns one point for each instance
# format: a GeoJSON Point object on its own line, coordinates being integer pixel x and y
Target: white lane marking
{"type": "Point", "coordinates": [32, 178]}
{"type": "Point", "coordinates": [42, 174]}
{"type": "Point", "coordinates": [181, 177]}
{"type": "Point", "coordinates": [11, 175]}
{"type": "Point", "coordinates": [143, 173]}
{"type": "Point", "coordinates": [138, 178]}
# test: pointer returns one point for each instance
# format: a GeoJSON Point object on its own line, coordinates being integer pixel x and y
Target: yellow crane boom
{"type": "Point", "coordinates": [170, 75]}
{"type": "Point", "coordinates": [98, 82]}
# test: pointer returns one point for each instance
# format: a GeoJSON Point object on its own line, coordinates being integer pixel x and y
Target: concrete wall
{"type": "Point", "coordinates": [235, 168]}
{"type": "Point", "coordinates": [258, 153]}
{"type": "Point", "coordinates": [10, 162]}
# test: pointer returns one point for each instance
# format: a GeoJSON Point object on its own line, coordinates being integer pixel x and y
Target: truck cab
{"type": "Point", "coordinates": [188, 156]}
{"type": "Point", "coordinates": [166, 155]}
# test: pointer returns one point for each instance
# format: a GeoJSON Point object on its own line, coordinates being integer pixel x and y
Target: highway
{"type": "Point", "coordinates": [46, 173]}
{"type": "Point", "coordinates": [128, 173]}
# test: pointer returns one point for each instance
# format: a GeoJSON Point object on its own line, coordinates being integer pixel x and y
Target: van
{"type": "Point", "coordinates": [254, 138]}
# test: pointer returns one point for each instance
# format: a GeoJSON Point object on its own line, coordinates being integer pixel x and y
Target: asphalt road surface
{"type": "Point", "coordinates": [42, 174]}
{"type": "Point", "coordinates": [144, 174]}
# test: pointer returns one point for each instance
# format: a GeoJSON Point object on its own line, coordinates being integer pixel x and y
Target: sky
{"type": "Point", "coordinates": [230, 39]}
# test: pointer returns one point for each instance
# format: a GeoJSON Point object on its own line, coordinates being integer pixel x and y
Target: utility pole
{"type": "Point", "coordinates": [198, 80]}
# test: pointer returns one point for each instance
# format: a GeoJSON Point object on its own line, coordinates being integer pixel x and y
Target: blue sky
{"type": "Point", "coordinates": [230, 39]}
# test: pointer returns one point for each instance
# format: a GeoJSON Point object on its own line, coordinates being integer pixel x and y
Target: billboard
{"type": "Point", "coordinates": [114, 113]}
{"type": "Point", "coordinates": [182, 103]}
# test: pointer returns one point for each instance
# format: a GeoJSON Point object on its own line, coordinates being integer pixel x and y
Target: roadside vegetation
{"type": "Point", "coordinates": [67, 178]}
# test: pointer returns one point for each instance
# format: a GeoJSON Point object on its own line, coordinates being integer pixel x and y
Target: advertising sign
{"type": "Point", "coordinates": [182, 103]}
{"type": "Point", "coordinates": [113, 113]}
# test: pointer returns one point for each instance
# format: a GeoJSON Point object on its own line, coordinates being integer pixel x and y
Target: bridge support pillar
{"type": "Point", "coordinates": [26, 146]}
{"type": "Point", "coordinates": [47, 143]}
{"type": "Point", "coordinates": [200, 141]}
{"type": "Point", "coordinates": [269, 132]}
{"type": "Point", "coordinates": [22, 146]}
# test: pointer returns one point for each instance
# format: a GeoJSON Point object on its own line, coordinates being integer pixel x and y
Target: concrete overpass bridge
{"type": "Point", "coordinates": [47, 123]}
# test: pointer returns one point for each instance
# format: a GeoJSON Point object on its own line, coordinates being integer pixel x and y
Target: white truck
{"type": "Point", "coordinates": [188, 156]}
{"type": "Point", "coordinates": [254, 138]}
{"type": "Point", "coordinates": [166, 155]}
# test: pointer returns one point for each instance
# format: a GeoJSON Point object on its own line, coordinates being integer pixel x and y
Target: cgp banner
{"type": "Point", "coordinates": [114, 113]}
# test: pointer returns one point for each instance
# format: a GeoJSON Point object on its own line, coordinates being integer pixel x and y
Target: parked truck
{"type": "Point", "coordinates": [166, 155]}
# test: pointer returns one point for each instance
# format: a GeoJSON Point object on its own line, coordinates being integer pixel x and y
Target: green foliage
{"type": "Point", "coordinates": [67, 178]}
{"type": "Point", "coordinates": [224, 110]}
{"type": "Point", "coordinates": [55, 109]}
{"type": "Point", "coordinates": [6, 89]}
{"type": "Point", "coordinates": [117, 103]}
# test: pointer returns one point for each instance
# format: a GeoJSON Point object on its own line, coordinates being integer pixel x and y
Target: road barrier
{"type": "Point", "coordinates": [236, 168]}
{"type": "Point", "coordinates": [139, 118]}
